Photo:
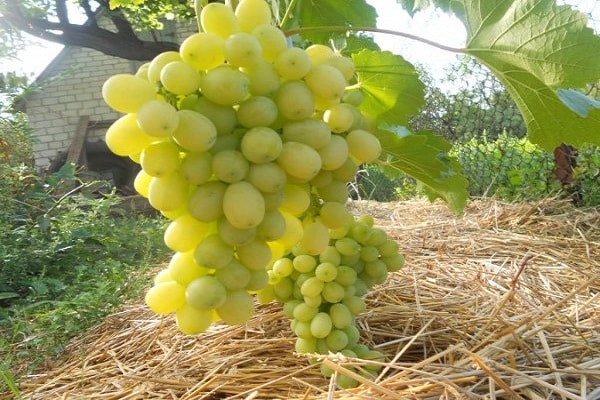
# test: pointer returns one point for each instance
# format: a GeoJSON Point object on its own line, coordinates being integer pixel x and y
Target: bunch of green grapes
{"type": "Point", "coordinates": [247, 144]}
{"type": "Point", "coordinates": [322, 294]}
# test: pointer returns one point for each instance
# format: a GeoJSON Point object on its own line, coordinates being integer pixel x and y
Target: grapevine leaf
{"type": "Point", "coordinates": [391, 86]}
{"type": "Point", "coordinates": [536, 47]}
{"type": "Point", "coordinates": [424, 156]}
{"type": "Point", "coordinates": [324, 13]}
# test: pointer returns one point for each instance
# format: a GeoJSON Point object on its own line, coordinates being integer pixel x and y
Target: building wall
{"type": "Point", "coordinates": [71, 86]}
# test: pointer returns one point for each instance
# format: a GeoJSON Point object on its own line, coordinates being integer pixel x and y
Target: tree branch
{"type": "Point", "coordinates": [61, 11]}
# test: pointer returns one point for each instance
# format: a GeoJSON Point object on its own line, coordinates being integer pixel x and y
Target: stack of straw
{"type": "Point", "coordinates": [501, 303]}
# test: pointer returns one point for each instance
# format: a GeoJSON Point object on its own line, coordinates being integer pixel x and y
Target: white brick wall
{"type": "Point", "coordinates": [71, 87]}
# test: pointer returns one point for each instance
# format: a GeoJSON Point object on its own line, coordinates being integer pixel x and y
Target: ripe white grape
{"type": "Point", "coordinates": [180, 78]}
{"type": "Point", "coordinates": [252, 13]}
{"type": "Point", "coordinates": [196, 168]}
{"type": "Point", "coordinates": [326, 82]}
{"type": "Point", "coordinates": [184, 269]}
{"type": "Point", "coordinates": [261, 145]}
{"type": "Point", "coordinates": [321, 325]}
{"type": "Point", "coordinates": [292, 63]}
{"type": "Point", "coordinates": [168, 193]}
{"type": "Point", "coordinates": [340, 117]}
{"type": "Point", "coordinates": [272, 226]}
{"type": "Point", "coordinates": [304, 263]}
{"type": "Point", "coordinates": [213, 253]}
{"type": "Point", "coordinates": [206, 201]}
{"type": "Point", "coordinates": [255, 255]}
{"type": "Point", "coordinates": [299, 160]}
{"type": "Point", "coordinates": [124, 137]}
{"type": "Point", "coordinates": [295, 100]}
{"type": "Point", "coordinates": [126, 93]}
{"type": "Point", "coordinates": [184, 233]}
{"type": "Point", "coordinates": [165, 297]}
{"type": "Point", "coordinates": [333, 292]}
{"type": "Point", "coordinates": [160, 158]}
{"type": "Point", "coordinates": [268, 178]}
{"type": "Point", "coordinates": [232, 235]}
{"type": "Point", "coordinates": [230, 166]}
{"type": "Point", "coordinates": [334, 215]}
{"type": "Point", "coordinates": [347, 172]}
{"type": "Point", "coordinates": [264, 80]}
{"type": "Point", "coordinates": [303, 312]}
{"type": "Point", "coordinates": [315, 239]}
{"type": "Point", "coordinates": [341, 316]}
{"type": "Point", "coordinates": [319, 53]}
{"type": "Point", "coordinates": [243, 205]}
{"type": "Point", "coordinates": [157, 118]}
{"type": "Point", "coordinates": [336, 340]}
{"type": "Point", "coordinates": [272, 41]}
{"type": "Point", "coordinates": [194, 132]}
{"type": "Point", "coordinates": [234, 276]}
{"type": "Point", "coordinates": [312, 132]}
{"type": "Point", "coordinates": [257, 111]}
{"type": "Point", "coordinates": [326, 272]}
{"type": "Point", "coordinates": [343, 64]}
{"type": "Point", "coordinates": [238, 307]}
{"type": "Point", "coordinates": [141, 183]}
{"type": "Point", "coordinates": [334, 154]}
{"type": "Point", "coordinates": [259, 279]}
{"type": "Point", "coordinates": [191, 320]}
{"type": "Point", "coordinates": [219, 19]}
{"type": "Point", "coordinates": [202, 50]}
{"type": "Point", "coordinates": [363, 145]}
{"type": "Point", "coordinates": [242, 49]}
{"type": "Point", "coordinates": [222, 116]}
{"type": "Point", "coordinates": [335, 191]}
{"type": "Point", "coordinates": [205, 293]}
{"type": "Point", "coordinates": [225, 85]}
{"type": "Point", "coordinates": [157, 64]}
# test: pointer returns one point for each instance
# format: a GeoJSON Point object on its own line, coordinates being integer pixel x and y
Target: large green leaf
{"type": "Point", "coordinates": [424, 156]}
{"type": "Point", "coordinates": [314, 13]}
{"type": "Point", "coordinates": [536, 47]}
{"type": "Point", "coordinates": [392, 88]}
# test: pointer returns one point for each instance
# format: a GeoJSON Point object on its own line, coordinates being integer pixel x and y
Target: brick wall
{"type": "Point", "coordinates": [71, 87]}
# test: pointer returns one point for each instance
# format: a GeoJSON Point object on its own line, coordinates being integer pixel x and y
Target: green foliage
{"type": "Point", "coordinates": [145, 15]}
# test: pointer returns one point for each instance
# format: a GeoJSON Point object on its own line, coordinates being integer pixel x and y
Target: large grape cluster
{"type": "Point", "coordinates": [246, 144]}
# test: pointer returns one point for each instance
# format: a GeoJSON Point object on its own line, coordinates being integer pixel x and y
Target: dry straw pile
{"type": "Point", "coordinates": [502, 303]}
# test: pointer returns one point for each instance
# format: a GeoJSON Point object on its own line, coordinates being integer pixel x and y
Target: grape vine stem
{"type": "Point", "coordinates": [375, 30]}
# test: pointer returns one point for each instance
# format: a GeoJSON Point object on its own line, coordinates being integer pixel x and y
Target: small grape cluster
{"type": "Point", "coordinates": [322, 294]}
{"type": "Point", "coordinates": [247, 144]}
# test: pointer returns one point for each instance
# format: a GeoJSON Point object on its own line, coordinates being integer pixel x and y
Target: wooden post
{"type": "Point", "coordinates": [76, 152]}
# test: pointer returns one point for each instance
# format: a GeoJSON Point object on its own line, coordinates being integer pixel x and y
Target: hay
{"type": "Point", "coordinates": [501, 303]}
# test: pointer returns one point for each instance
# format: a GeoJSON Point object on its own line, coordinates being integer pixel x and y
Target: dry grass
{"type": "Point", "coordinates": [501, 303]}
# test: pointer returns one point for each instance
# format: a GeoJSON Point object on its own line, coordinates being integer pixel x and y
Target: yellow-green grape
{"type": "Point", "coordinates": [292, 63]}
{"type": "Point", "coordinates": [321, 325]}
{"type": "Point", "coordinates": [230, 166]}
{"type": "Point", "coordinates": [163, 276]}
{"type": "Point", "coordinates": [277, 250]}
{"type": "Point", "coordinates": [165, 298]}
{"type": "Point", "coordinates": [185, 232]}
{"type": "Point", "coordinates": [315, 239]}
{"type": "Point", "coordinates": [355, 304]}
{"type": "Point", "coordinates": [353, 337]}
{"type": "Point", "coordinates": [124, 137]}
{"type": "Point", "coordinates": [319, 53]}
{"type": "Point", "coordinates": [323, 178]}
{"type": "Point", "coordinates": [213, 253]}
{"type": "Point", "coordinates": [333, 292]}
{"type": "Point", "coordinates": [346, 382]}
{"type": "Point", "coordinates": [311, 287]}
{"type": "Point", "coordinates": [283, 267]}
{"type": "Point", "coordinates": [206, 201]}
{"type": "Point", "coordinates": [141, 183]}
{"type": "Point", "coordinates": [304, 263]}
{"type": "Point", "coordinates": [363, 145]}
{"type": "Point", "coordinates": [303, 312]}
{"type": "Point", "coordinates": [272, 226]}
{"type": "Point", "coordinates": [377, 237]}
{"type": "Point", "coordinates": [335, 191]}
{"type": "Point", "coordinates": [334, 154]}
{"type": "Point", "coordinates": [205, 293]}
{"type": "Point", "coordinates": [299, 161]}
{"type": "Point", "coordinates": [336, 340]}
{"type": "Point", "coordinates": [326, 272]}
{"type": "Point", "coordinates": [334, 215]}
{"type": "Point", "coordinates": [326, 82]}
{"type": "Point", "coordinates": [272, 41]}
{"type": "Point", "coordinates": [225, 85]}
{"type": "Point", "coordinates": [360, 231]}
{"type": "Point", "coordinates": [311, 132]}
{"type": "Point", "coordinates": [346, 276]}
{"type": "Point", "coordinates": [232, 235]}
{"type": "Point", "coordinates": [302, 329]}
{"type": "Point", "coordinates": [233, 276]}
{"type": "Point", "coordinates": [142, 71]}
{"type": "Point", "coordinates": [126, 93]}
{"type": "Point", "coordinates": [304, 346]}
{"type": "Point", "coordinates": [353, 97]}
{"type": "Point", "coordinates": [160, 158]}
{"type": "Point", "coordinates": [203, 50]}
{"type": "Point", "coordinates": [343, 64]}
{"type": "Point", "coordinates": [184, 269]}
{"type": "Point", "coordinates": [259, 279]}
{"type": "Point", "coordinates": [369, 254]}
{"type": "Point", "coordinates": [168, 193]}
{"type": "Point", "coordinates": [347, 246]}
{"type": "Point", "coordinates": [388, 248]}
{"type": "Point", "coordinates": [180, 78]}
{"type": "Point", "coordinates": [264, 80]}
{"type": "Point", "coordinates": [242, 49]}
{"type": "Point", "coordinates": [243, 205]}
{"type": "Point", "coordinates": [238, 307]}
{"type": "Point", "coordinates": [196, 168]}
{"type": "Point", "coordinates": [195, 132]}
{"type": "Point", "coordinates": [330, 255]}
{"type": "Point", "coordinates": [191, 320]}
{"type": "Point", "coordinates": [261, 145]}
{"type": "Point", "coordinates": [341, 317]}
{"type": "Point", "coordinates": [223, 117]}
{"type": "Point", "coordinates": [257, 111]}
{"type": "Point", "coordinates": [158, 63]}
{"type": "Point", "coordinates": [219, 19]}
{"type": "Point", "coordinates": [268, 178]}
{"type": "Point", "coordinates": [157, 118]}
{"type": "Point", "coordinates": [293, 231]}
{"type": "Point", "coordinates": [347, 172]}
{"type": "Point", "coordinates": [255, 255]}
{"type": "Point", "coordinates": [252, 13]}
{"type": "Point", "coordinates": [393, 263]}
{"type": "Point", "coordinates": [296, 199]}
{"type": "Point", "coordinates": [340, 117]}
{"type": "Point", "coordinates": [295, 100]}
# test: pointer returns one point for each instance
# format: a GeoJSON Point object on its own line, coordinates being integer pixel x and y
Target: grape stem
{"type": "Point", "coordinates": [375, 30]}
{"type": "Point", "coordinates": [288, 13]}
